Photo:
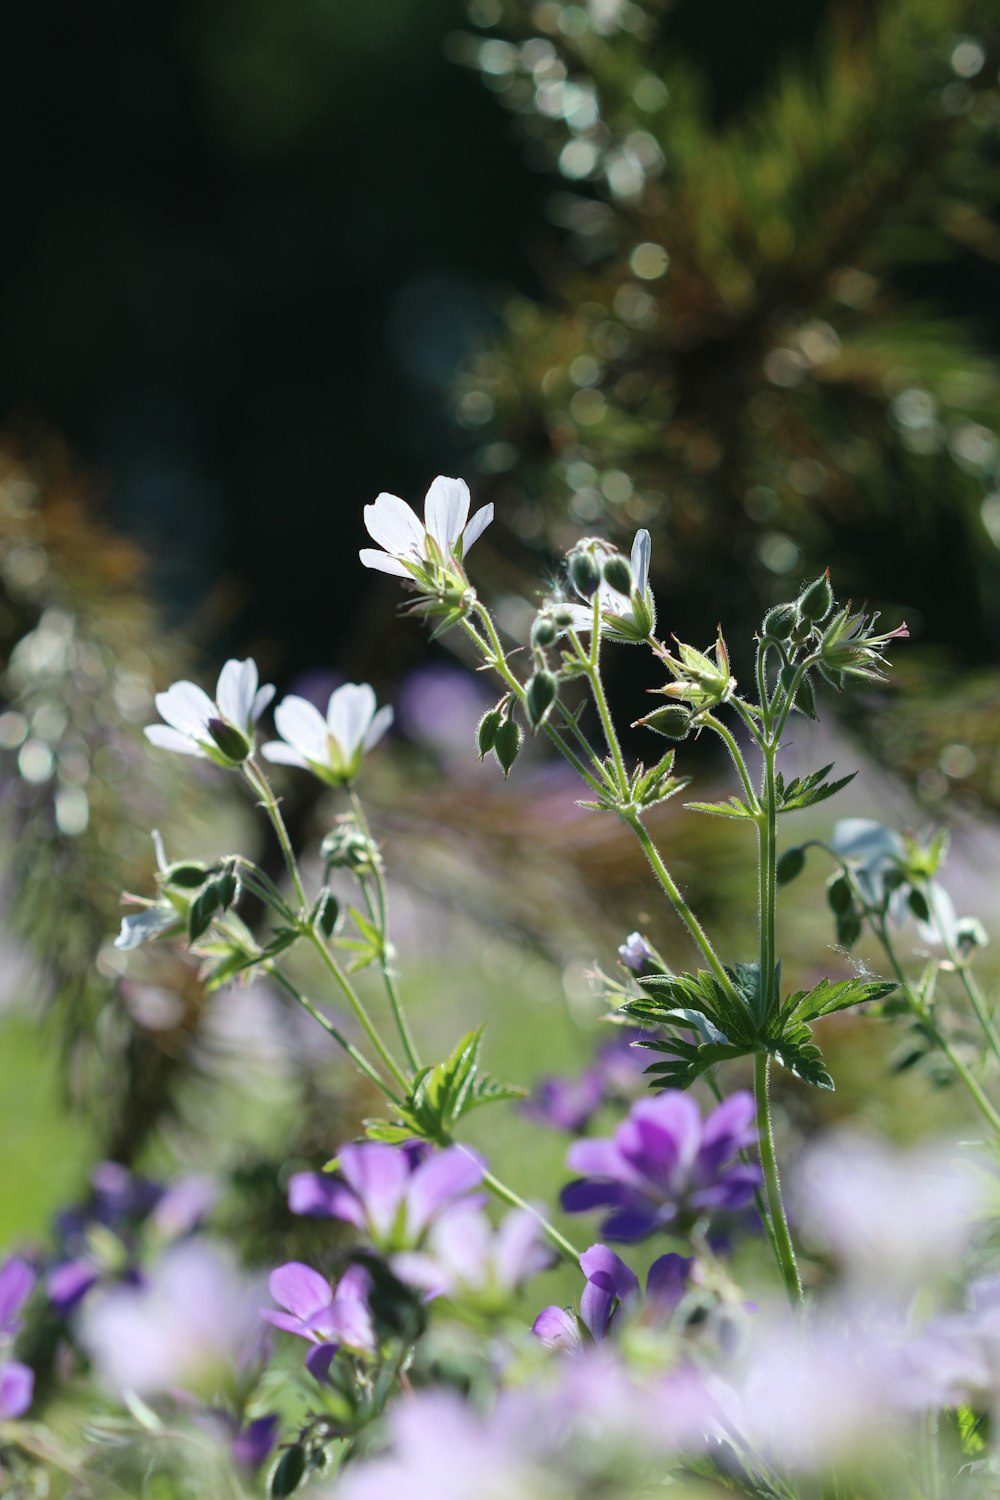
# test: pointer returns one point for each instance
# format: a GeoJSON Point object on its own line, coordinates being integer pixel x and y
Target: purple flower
{"type": "Point", "coordinates": [330, 1318]}
{"type": "Point", "coordinates": [621, 1066]}
{"type": "Point", "coordinates": [391, 1193]}
{"type": "Point", "coordinates": [17, 1281]}
{"type": "Point", "coordinates": [252, 1443]}
{"type": "Point", "coordinates": [611, 1288]}
{"type": "Point", "coordinates": [17, 1385]}
{"type": "Point", "coordinates": [664, 1165]}
{"type": "Point", "coordinates": [465, 1256]}
{"type": "Point", "coordinates": [566, 1103]}
{"type": "Point", "coordinates": [635, 953]}
{"type": "Point", "coordinates": [193, 1324]}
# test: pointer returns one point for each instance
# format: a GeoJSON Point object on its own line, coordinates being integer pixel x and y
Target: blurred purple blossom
{"type": "Point", "coordinates": [391, 1193]}
{"type": "Point", "coordinates": [17, 1282]}
{"type": "Point", "coordinates": [194, 1323]}
{"type": "Point", "coordinates": [252, 1443]}
{"type": "Point", "coordinates": [566, 1103]}
{"type": "Point", "coordinates": [17, 1386]}
{"type": "Point", "coordinates": [440, 706]}
{"type": "Point", "coordinates": [663, 1165]}
{"type": "Point", "coordinates": [465, 1256]}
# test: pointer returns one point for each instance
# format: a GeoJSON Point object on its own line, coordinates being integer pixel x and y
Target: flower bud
{"type": "Point", "coordinates": [346, 847]}
{"type": "Point", "coordinates": [584, 573]}
{"type": "Point", "coordinates": [618, 574]}
{"type": "Point", "coordinates": [326, 912]}
{"type": "Point", "coordinates": [816, 600]}
{"type": "Point", "coordinates": [234, 745]}
{"type": "Point", "coordinates": [671, 720]}
{"type": "Point", "coordinates": [186, 875]}
{"type": "Point", "coordinates": [838, 895]}
{"type": "Point", "coordinates": [544, 631]}
{"type": "Point", "coordinates": [541, 693]}
{"type": "Point", "coordinates": [779, 622]}
{"type": "Point", "coordinates": [507, 744]}
{"type": "Point", "coordinates": [487, 732]}
{"type": "Point", "coordinates": [790, 865]}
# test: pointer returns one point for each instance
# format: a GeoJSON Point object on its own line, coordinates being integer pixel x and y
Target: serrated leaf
{"type": "Point", "coordinates": [806, 791]}
{"type": "Point", "coordinates": [443, 1094]}
{"type": "Point", "coordinates": [828, 997]}
{"type": "Point", "coordinates": [666, 993]}
{"type": "Point", "coordinates": [734, 808]}
{"type": "Point", "coordinates": [804, 1059]}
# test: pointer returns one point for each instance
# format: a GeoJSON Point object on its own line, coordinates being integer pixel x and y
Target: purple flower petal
{"type": "Point", "coordinates": [319, 1360]}
{"type": "Point", "coordinates": [17, 1281]}
{"type": "Point", "coordinates": [438, 1181]}
{"type": "Point", "coordinates": [251, 1446]}
{"type": "Point", "coordinates": [609, 1281]}
{"type": "Point", "coordinates": [67, 1284]}
{"type": "Point", "coordinates": [17, 1386]}
{"type": "Point", "coordinates": [300, 1289]}
{"type": "Point", "coordinates": [315, 1195]}
{"type": "Point", "coordinates": [378, 1175]}
{"type": "Point", "coordinates": [557, 1328]}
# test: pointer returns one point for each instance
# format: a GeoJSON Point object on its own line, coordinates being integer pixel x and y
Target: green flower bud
{"type": "Point", "coordinates": [326, 912]}
{"type": "Point", "coordinates": [544, 632]}
{"type": "Point", "coordinates": [507, 744]}
{"type": "Point", "coordinates": [672, 721]}
{"type": "Point", "coordinates": [487, 732]}
{"type": "Point", "coordinates": [347, 848]}
{"type": "Point", "coordinates": [779, 622]}
{"type": "Point", "coordinates": [839, 897]}
{"type": "Point", "coordinates": [918, 904]}
{"type": "Point", "coordinates": [234, 745]}
{"type": "Point", "coordinates": [540, 694]}
{"type": "Point", "coordinates": [618, 574]}
{"type": "Point", "coordinates": [790, 865]}
{"type": "Point", "coordinates": [186, 875]}
{"type": "Point", "coordinates": [816, 600]}
{"type": "Point", "coordinates": [584, 573]}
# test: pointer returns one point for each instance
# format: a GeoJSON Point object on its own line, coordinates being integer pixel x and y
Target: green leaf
{"type": "Point", "coordinates": [805, 791]}
{"type": "Point", "coordinates": [804, 1059]}
{"type": "Point", "coordinates": [734, 808]}
{"type": "Point", "coordinates": [827, 997]}
{"type": "Point", "coordinates": [443, 1094]}
{"type": "Point", "coordinates": [665, 994]}
{"type": "Point", "coordinates": [790, 866]}
{"type": "Point", "coordinates": [289, 1472]}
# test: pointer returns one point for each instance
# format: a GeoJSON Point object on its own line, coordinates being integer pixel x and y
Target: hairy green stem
{"type": "Point", "coordinates": [767, 884]}
{"type": "Point", "coordinates": [967, 979]}
{"type": "Point", "coordinates": [354, 1001]}
{"type": "Point", "coordinates": [260, 784]}
{"type": "Point", "coordinates": [353, 1052]}
{"type": "Point", "coordinates": [601, 701]}
{"type": "Point", "coordinates": [736, 756]}
{"type": "Point", "coordinates": [772, 1183]}
{"type": "Point", "coordinates": [687, 916]}
{"type": "Point", "coordinates": [382, 921]}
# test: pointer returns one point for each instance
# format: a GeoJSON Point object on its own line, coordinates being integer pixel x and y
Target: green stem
{"type": "Point", "coordinates": [767, 883]}
{"type": "Point", "coordinates": [507, 1195]}
{"type": "Point", "coordinates": [353, 1000]}
{"type": "Point", "coordinates": [260, 784]}
{"type": "Point", "coordinates": [353, 1052]}
{"type": "Point", "coordinates": [736, 756]}
{"type": "Point", "coordinates": [496, 658]}
{"type": "Point", "coordinates": [923, 1015]}
{"type": "Point", "coordinates": [382, 922]}
{"type": "Point", "coordinates": [687, 916]}
{"type": "Point", "coordinates": [759, 1200]}
{"type": "Point", "coordinates": [601, 700]}
{"type": "Point", "coordinates": [772, 1183]}
{"type": "Point", "coordinates": [967, 980]}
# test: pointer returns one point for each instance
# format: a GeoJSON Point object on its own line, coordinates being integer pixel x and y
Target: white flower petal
{"type": "Point", "coordinates": [392, 524]}
{"type": "Point", "coordinates": [476, 527]}
{"type": "Point", "coordinates": [185, 707]}
{"type": "Point", "coordinates": [349, 715]}
{"type": "Point", "coordinates": [641, 549]}
{"type": "Point", "coordinates": [236, 691]}
{"type": "Point", "coordinates": [581, 615]}
{"type": "Point", "coordinates": [378, 727]}
{"type": "Point", "coordinates": [302, 726]}
{"type": "Point", "coordinates": [383, 563]}
{"type": "Point", "coordinates": [260, 702]}
{"type": "Point", "coordinates": [446, 510]}
{"type": "Point", "coordinates": [283, 755]}
{"type": "Point", "coordinates": [171, 739]}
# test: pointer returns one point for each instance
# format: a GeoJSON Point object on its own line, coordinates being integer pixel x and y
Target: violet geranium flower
{"type": "Point", "coordinates": [465, 1256]}
{"type": "Point", "coordinates": [332, 747]}
{"type": "Point", "coordinates": [17, 1282]}
{"type": "Point", "coordinates": [391, 1193]}
{"type": "Point", "coordinates": [664, 1165]}
{"type": "Point", "coordinates": [611, 1288]}
{"type": "Point", "coordinates": [17, 1386]}
{"type": "Point", "coordinates": [219, 730]}
{"type": "Point", "coordinates": [332, 1318]}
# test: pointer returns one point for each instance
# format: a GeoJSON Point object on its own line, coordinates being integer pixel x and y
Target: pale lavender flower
{"type": "Point", "coordinates": [635, 953]}
{"type": "Point", "coordinates": [417, 550]}
{"type": "Point", "coordinates": [465, 1257]}
{"type": "Point", "coordinates": [892, 1218]}
{"type": "Point", "coordinates": [17, 1386]}
{"type": "Point", "coordinates": [664, 1165]}
{"type": "Point", "coordinates": [17, 1282]}
{"type": "Point", "coordinates": [332, 747]}
{"type": "Point", "coordinates": [325, 1315]}
{"type": "Point", "coordinates": [391, 1193]}
{"type": "Point", "coordinates": [956, 1359]}
{"type": "Point", "coordinates": [220, 730]}
{"type": "Point", "coordinates": [194, 1323]}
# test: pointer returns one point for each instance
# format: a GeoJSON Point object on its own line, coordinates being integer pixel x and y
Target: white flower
{"type": "Point", "coordinates": [415, 550]}
{"type": "Point", "coordinates": [626, 617]}
{"type": "Point", "coordinates": [221, 730]}
{"type": "Point", "coordinates": [332, 748]}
